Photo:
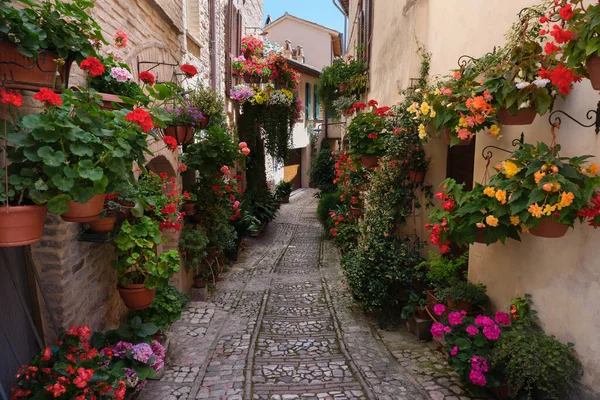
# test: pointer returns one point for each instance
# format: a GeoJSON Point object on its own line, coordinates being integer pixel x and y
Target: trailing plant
{"type": "Point", "coordinates": [343, 78]}
{"type": "Point", "coordinates": [209, 102]}
{"type": "Point", "coordinates": [185, 113]}
{"type": "Point", "coordinates": [165, 308]}
{"type": "Point", "coordinates": [193, 245]}
{"type": "Point", "coordinates": [322, 169]}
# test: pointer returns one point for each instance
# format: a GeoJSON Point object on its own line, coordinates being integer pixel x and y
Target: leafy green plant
{"type": "Point", "coordinates": [207, 100]}
{"type": "Point", "coordinates": [125, 85]}
{"type": "Point", "coordinates": [322, 169]}
{"type": "Point", "coordinates": [410, 305]}
{"type": "Point", "coordinates": [365, 134]}
{"type": "Point", "coordinates": [343, 78]}
{"type": "Point", "coordinates": [474, 294]}
{"type": "Point", "coordinates": [212, 151]}
{"type": "Point", "coordinates": [283, 189]}
{"type": "Point", "coordinates": [165, 308]}
{"type": "Point", "coordinates": [443, 270]}
{"type": "Point", "coordinates": [328, 202]}
{"type": "Point", "coordinates": [135, 330]}
{"type": "Point", "coordinates": [193, 245]}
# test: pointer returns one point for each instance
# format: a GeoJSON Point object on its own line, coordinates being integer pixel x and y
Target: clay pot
{"type": "Point", "coordinates": [182, 133]}
{"type": "Point", "coordinates": [285, 199]}
{"type": "Point", "coordinates": [431, 299]}
{"type": "Point", "coordinates": [104, 225]}
{"type": "Point", "coordinates": [204, 122]}
{"type": "Point", "coordinates": [524, 116]}
{"type": "Point", "coordinates": [21, 225]}
{"type": "Point", "coordinates": [86, 212]}
{"type": "Point", "coordinates": [448, 139]}
{"type": "Point", "coordinates": [136, 296]}
{"type": "Point", "coordinates": [416, 176]}
{"type": "Point", "coordinates": [356, 211]}
{"type": "Point", "coordinates": [421, 313]}
{"type": "Point", "coordinates": [108, 99]}
{"type": "Point", "coordinates": [198, 282]}
{"type": "Point", "coordinates": [369, 161]}
{"type": "Point", "coordinates": [479, 236]}
{"type": "Point", "coordinates": [188, 208]}
{"type": "Point", "coordinates": [20, 72]}
{"type": "Point", "coordinates": [549, 229]}
{"type": "Point", "coordinates": [593, 67]}
{"type": "Point", "coordinates": [502, 391]}
{"type": "Point", "coordinates": [461, 305]}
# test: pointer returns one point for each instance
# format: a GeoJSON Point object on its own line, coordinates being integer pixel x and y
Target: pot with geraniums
{"type": "Point", "coordinates": [365, 133]}
{"type": "Point", "coordinates": [140, 269]}
{"type": "Point", "coordinates": [283, 191]}
{"type": "Point", "coordinates": [40, 41]}
{"type": "Point", "coordinates": [418, 163]}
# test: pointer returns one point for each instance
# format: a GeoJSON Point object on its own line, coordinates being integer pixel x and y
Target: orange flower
{"type": "Point", "coordinates": [535, 210]}
{"type": "Point", "coordinates": [593, 169]}
{"type": "Point", "coordinates": [491, 220]}
{"type": "Point", "coordinates": [565, 200]}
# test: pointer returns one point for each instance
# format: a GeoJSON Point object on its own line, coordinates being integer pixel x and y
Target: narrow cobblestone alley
{"type": "Point", "coordinates": [282, 326]}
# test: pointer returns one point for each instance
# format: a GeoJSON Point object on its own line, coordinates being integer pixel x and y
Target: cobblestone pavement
{"type": "Point", "coordinates": [283, 326]}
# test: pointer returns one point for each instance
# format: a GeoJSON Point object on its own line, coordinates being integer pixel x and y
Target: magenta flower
{"type": "Point", "coordinates": [439, 309]}
{"type": "Point", "coordinates": [454, 351]}
{"type": "Point", "coordinates": [483, 320]}
{"type": "Point", "coordinates": [472, 330]}
{"type": "Point", "coordinates": [502, 318]}
{"type": "Point", "coordinates": [491, 332]}
{"type": "Point", "coordinates": [479, 363]}
{"type": "Point", "coordinates": [438, 330]}
{"type": "Point", "coordinates": [159, 356]}
{"type": "Point", "coordinates": [120, 349]}
{"type": "Point", "coordinates": [142, 352]}
{"type": "Point", "coordinates": [455, 318]}
{"type": "Point", "coordinates": [477, 378]}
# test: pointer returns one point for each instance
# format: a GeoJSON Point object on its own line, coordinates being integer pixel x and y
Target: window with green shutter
{"type": "Point", "coordinates": [307, 99]}
{"type": "Point", "coordinates": [317, 110]}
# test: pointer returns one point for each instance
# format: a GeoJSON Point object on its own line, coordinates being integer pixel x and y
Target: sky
{"type": "Point", "coordinates": [322, 12]}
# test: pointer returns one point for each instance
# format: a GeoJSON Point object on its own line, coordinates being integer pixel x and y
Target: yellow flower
{"type": "Point", "coordinates": [437, 92]}
{"type": "Point", "coordinates": [422, 132]}
{"type": "Point", "coordinates": [535, 210]}
{"type": "Point", "coordinates": [565, 200]}
{"type": "Point", "coordinates": [548, 209]}
{"type": "Point", "coordinates": [494, 130]}
{"type": "Point", "coordinates": [462, 122]}
{"type": "Point", "coordinates": [510, 169]}
{"type": "Point", "coordinates": [491, 220]}
{"type": "Point", "coordinates": [538, 177]}
{"type": "Point", "coordinates": [489, 191]}
{"type": "Point", "coordinates": [501, 196]}
{"type": "Point", "coordinates": [413, 108]}
{"type": "Point", "coordinates": [425, 108]}
{"type": "Point", "coordinates": [432, 114]}
{"type": "Point", "coordinates": [515, 220]}
{"type": "Point", "coordinates": [593, 169]}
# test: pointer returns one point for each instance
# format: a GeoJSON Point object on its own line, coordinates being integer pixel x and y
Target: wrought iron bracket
{"type": "Point", "coordinates": [156, 64]}
{"type": "Point", "coordinates": [465, 59]}
{"type": "Point", "coordinates": [487, 154]}
{"type": "Point", "coordinates": [590, 115]}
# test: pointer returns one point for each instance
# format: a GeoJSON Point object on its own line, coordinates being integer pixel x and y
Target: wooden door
{"type": "Point", "coordinates": [292, 168]}
{"type": "Point", "coordinates": [461, 164]}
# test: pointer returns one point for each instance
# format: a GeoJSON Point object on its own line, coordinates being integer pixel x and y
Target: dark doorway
{"type": "Point", "coordinates": [461, 164]}
{"type": "Point", "coordinates": [19, 318]}
{"type": "Point", "coordinates": [292, 168]}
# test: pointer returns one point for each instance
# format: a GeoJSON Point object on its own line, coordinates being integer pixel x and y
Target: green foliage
{"type": "Point", "coordinates": [193, 245]}
{"type": "Point", "coordinates": [343, 78]}
{"type": "Point", "coordinates": [107, 84]}
{"type": "Point", "coordinates": [283, 189]}
{"type": "Point", "coordinates": [207, 100]}
{"type": "Point", "coordinates": [443, 270]}
{"type": "Point", "coordinates": [165, 309]}
{"type": "Point", "coordinates": [328, 202]}
{"type": "Point", "coordinates": [134, 331]}
{"type": "Point", "coordinates": [474, 294]}
{"type": "Point", "coordinates": [322, 169]}
{"type": "Point", "coordinates": [212, 151]}
{"type": "Point", "coordinates": [411, 303]}
{"type": "Point", "coordinates": [263, 208]}
{"type": "Point", "coordinates": [365, 134]}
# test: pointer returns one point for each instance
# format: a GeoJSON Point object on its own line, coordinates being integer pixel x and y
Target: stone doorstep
{"type": "Point", "coordinates": [199, 294]}
{"type": "Point", "coordinates": [161, 373]}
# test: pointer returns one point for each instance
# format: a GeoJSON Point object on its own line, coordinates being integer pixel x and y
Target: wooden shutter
{"type": "Point", "coordinates": [368, 29]}
{"type": "Point", "coordinates": [233, 36]}
{"type": "Point", "coordinates": [317, 110]}
{"type": "Point", "coordinates": [307, 98]}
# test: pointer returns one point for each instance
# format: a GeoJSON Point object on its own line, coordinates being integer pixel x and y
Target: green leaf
{"type": "Point", "coordinates": [88, 171]}
{"type": "Point", "coordinates": [463, 344]}
{"type": "Point", "coordinates": [82, 194]}
{"type": "Point", "coordinates": [63, 183]}
{"type": "Point", "coordinates": [536, 196]}
{"type": "Point", "coordinates": [81, 150]}
{"type": "Point", "coordinates": [50, 157]}
{"type": "Point", "coordinates": [58, 204]}
{"type": "Point", "coordinates": [543, 100]}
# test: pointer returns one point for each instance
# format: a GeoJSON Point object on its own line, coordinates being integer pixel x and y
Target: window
{"type": "Point", "coordinates": [316, 109]}
{"type": "Point", "coordinates": [307, 99]}
{"type": "Point", "coordinates": [193, 17]}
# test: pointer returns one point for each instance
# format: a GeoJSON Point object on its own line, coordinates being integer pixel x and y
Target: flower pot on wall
{"type": "Point", "coordinates": [549, 229]}
{"type": "Point", "coordinates": [136, 296]}
{"type": "Point", "coordinates": [524, 116]}
{"type": "Point", "coordinates": [356, 211]}
{"type": "Point", "coordinates": [86, 212]}
{"type": "Point", "coordinates": [369, 161]}
{"type": "Point", "coordinates": [188, 208]}
{"type": "Point", "coordinates": [448, 139]}
{"type": "Point", "coordinates": [416, 176]}
{"type": "Point", "coordinates": [593, 67]}
{"type": "Point", "coordinates": [104, 225]}
{"type": "Point", "coordinates": [108, 99]}
{"type": "Point", "coordinates": [21, 225]}
{"type": "Point", "coordinates": [20, 72]}
{"type": "Point", "coordinates": [182, 133]}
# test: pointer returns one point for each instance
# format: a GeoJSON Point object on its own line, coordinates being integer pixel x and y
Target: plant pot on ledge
{"type": "Point", "coordinates": [86, 212]}
{"type": "Point", "coordinates": [111, 101]}
{"type": "Point", "coordinates": [369, 161]}
{"type": "Point", "coordinates": [104, 225]}
{"type": "Point", "coordinates": [356, 211]}
{"type": "Point", "coordinates": [593, 67]}
{"type": "Point", "coordinates": [21, 225]}
{"type": "Point", "coordinates": [188, 208]}
{"type": "Point", "coordinates": [416, 176]}
{"type": "Point", "coordinates": [136, 296]}
{"type": "Point", "coordinates": [182, 133]}
{"type": "Point", "coordinates": [524, 116]}
{"type": "Point", "coordinates": [549, 229]}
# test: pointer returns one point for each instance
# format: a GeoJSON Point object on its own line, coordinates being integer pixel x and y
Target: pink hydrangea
{"type": "Point", "coordinates": [477, 378]}
{"type": "Point", "coordinates": [159, 355]}
{"type": "Point", "coordinates": [455, 318]}
{"type": "Point", "coordinates": [483, 320]}
{"type": "Point", "coordinates": [439, 309]}
{"type": "Point", "coordinates": [472, 330]}
{"type": "Point", "coordinates": [502, 318]}
{"type": "Point", "coordinates": [491, 332]}
{"type": "Point", "coordinates": [454, 351]}
{"type": "Point", "coordinates": [120, 349]}
{"type": "Point", "coordinates": [438, 330]}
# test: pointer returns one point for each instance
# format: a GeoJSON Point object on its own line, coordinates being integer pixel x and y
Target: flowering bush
{"type": "Point", "coordinates": [241, 93]}
{"type": "Point", "coordinates": [186, 114]}
{"type": "Point", "coordinates": [161, 199]}
{"type": "Point", "coordinates": [252, 46]}
{"type": "Point", "coordinates": [237, 63]}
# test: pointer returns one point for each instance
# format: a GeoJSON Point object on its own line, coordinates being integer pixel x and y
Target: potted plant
{"type": "Point", "coordinates": [184, 118]}
{"type": "Point", "coordinates": [417, 165]}
{"type": "Point", "coordinates": [189, 206]}
{"type": "Point", "coordinates": [365, 135]}
{"type": "Point", "coordinates": [241, 93]}
{"type": "Point", "coordinates": [334, 84]}
{"type": "Point", "coordinates": [40, 41]}
{"type": "Point", "coordinates": [160, 199]}
{"type": "Point", "coordinates": [441, 271]}
{"type": "Point", "coordinates": [461, 295]}
{"type": "Point", "coordinates": [209, 102]}
{"type": "Point", "coordinates": [165, 309]}
{"type": "Point", "coordinates": [283, 191]}
{"type": "Point", "coordinates": [415, 306]}
{"type": "Point", "coordinates": [140, 270]}
{"type": "Point", "coordinates": [193, 245]}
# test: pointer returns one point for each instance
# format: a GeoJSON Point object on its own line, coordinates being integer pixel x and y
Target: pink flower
{"type": "Point", "coordinates": [483, 320]}
{"type": "Point", "coordinates": [477, 378]}
{"type": "Point", "coordinates": [225, 170]}
{"type": "Point", "coordinates": [242, 145]}
{"type": "Point", "coordinates": [120, 38]}
{"type": "Point", "coordinates": [456, 75]}
{"type": "Point", "coordinates": [438, 330]}
{"type": "Point", "coordinates": [472, 330]}
{"type": "Point", "coordinates": [502, 318]}
{"type": "Point", "coordinates": [439, 309]}
{"type": "Point", "coordinates": [492, 332]}
{"type": "Point", "coordinates": [455, 318]}
{"type": "Point", "coordinates": [454, 351]}
{"type": "Point", "coordinates": [479, 363]}
{"type": "Point", "coordinates": [446, 91]}
{"type": "Point", "coordinates": [245, 151]}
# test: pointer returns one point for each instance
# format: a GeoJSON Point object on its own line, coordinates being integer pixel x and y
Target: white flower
{"type": "Point", "coordinates": [517, 79]}
{"type": "Point", "coordinates": [525, 104]}
{"type": "Point", "coordinates": [539, 82]}
{"type": "Point", "coordinates": [521, 73]}
{"type": "Point", "coordinates": [120, 74]}
{"type": "Point", "coordinates": [522, 85]}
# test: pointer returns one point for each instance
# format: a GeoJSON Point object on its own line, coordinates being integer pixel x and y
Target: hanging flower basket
{"type": "Point", "coordinates": [524, 116]}
{"type": "Point", "coordinates": [549, 229]}
{"type": "Point", "coordinates": [593, 67]}
{"type": "Point", "coordinates": [479, 238]}
{"type": "Point", "coordinates": [204, 122]}
{"type": "Point", "coordinates": [20, 72]}
{"type": "Point", "coordinates": [136, 296]}
{"type": "Point", "coordinates": [416, 176]}
{"type": "Point", "coordinates": [448, 139]}
{"type": "Point", "coordinates": [104, 225]}
{"type": "Point", "coordinates": [188, 208]}
{"type": "Point", "coordinates": [369, 161]}
{"type": "Point", "coordinates": [86, 212]}
{"type": "Point", "coordinates": [182, 133]}
{"type": "Point", "coordinates": [21, 225]}
{"type": "Point", "coordinates": [356, 211]}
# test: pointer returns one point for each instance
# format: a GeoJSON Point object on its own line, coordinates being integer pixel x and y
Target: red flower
{"type": "Point", "coordinates": [560, 35]}
{"type": "Point", "coordinates": [182, 167]}
{"type": "Point", "coordinates": [171, 142]}
{"type": "Point", "coordinates": [13, 98]}
{"type": "Point", "coordinates": [57, 389]}
{"type": "Point", "coordinates": [189, 70]}
{"type": "Point", "coordinates": [551, 48]}
{"type": "Point", "coordinates": [448, 205]}
{"type": "Point", "coordinates": [543, 20]}
{"type": "Point", "coordinates": [141, 118]}
{"type": "Point", "coordinates": [359, 106]}
{"type": "Point", "coordinates": [566, 12]}
{"type": "Point", "coordinates": [163, 175]}
{"type": "Point", "coordinates": [440, 196]}
{"type": "Point", "coordinates": [381, 111]}
{"type": "Point", "coordinates": [186, 195]}
{"type": "Point", "coordinates": [169, 209]}
{"type": "Point", "coordinates": [147, 78]}
{"type": "Point", "coordinates": [111, 196]}
{"type": "Point", "coordinates": [83, 376]}
{"type": "Point", "coordinates": [216, 188]}
{"type": "Point", "coordinates": [372, 103]}
{"type": "Point", "coordinates": [48, 97]}
{"type": "Point", "coordinates": [544, 73]}
{"type": "Point", "coordinates": [373, 135]}
{"type": "Point", "coordinates": [46, 354]}
{"type": "Point", "coordinates": [563, 78]}
{"type": "Point", "coordinates": [93, 66]}
{"type": "Point", "coordinates": [351, 111]}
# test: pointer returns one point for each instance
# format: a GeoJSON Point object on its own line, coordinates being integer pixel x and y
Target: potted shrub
{"type": "Point", "coordinates": [467, 296]}
{"type": "Point", "coordinates": [443, 270]}
{"type": "Point", "coordinates": [165, 309]}
{"type": "Point", "coordinates": [140, 270]}
{"type": "Point", "coordinates": [334, 84]}
{"type": "Point", "coordinates": [209, 102]}
{"type": "Point", "coordinates": [417, 165]}
{"type": "Point", "coordinates": [184, 119]}
{"type": "Point", "coordinates": [283, 191]}
{"type": "Point", "coordinates": [365, 135]}
{"type": "Point", "coordinates": [40, 41]}
{"type": "Point", "coordinates": [193, 245]}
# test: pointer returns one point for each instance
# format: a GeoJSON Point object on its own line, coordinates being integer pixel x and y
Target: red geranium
{"type": "Point", "coordinates": [566, 12]}
{"type": "Point", "coordinates": [382, 111]}
{"type": "Point", "coordinates": [551, 48]}
{"type": "Point", "coordinates": [563, 78]}
{"type": "Point", "coordinates": [169, 209]}
{"type": "Point", "coordinates": [142, 118]}
{"type": "Point", "coordinates": [359, 106]}
{"type": "Point", "coordinates": [93, 66]}
{"type": "Point", "coordinates": [13, 98]}
{"type": "Point", "coordinates": [373, 135]}
{"type": "Point", "coordinates": [373, 103]}
{"type": "Point", "coordinates": [111, 196]}
{"type": "Point", "coordinates": [560, 35]}
{"type": "Point", "coordinates": [147, 78]}
{"type": "Point", "coordinates": [48, 97]}
{"type": "Point", "coordinates": [163, 175]}
{"type": "Point", "coordinates": [171, 142]}
{"type": "Point", "coordinates": [182, 167]}
{"type": "Point", "coordinates": [189, 70]}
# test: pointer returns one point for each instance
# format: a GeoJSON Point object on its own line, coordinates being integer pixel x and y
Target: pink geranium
{"type": "Point", "coordinates": [439, 309]}
{"type": "Point", "coordinates": [455, 318]}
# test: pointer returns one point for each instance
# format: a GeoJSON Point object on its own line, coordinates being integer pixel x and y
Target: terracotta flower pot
{"type": "Point", "coordinates": [356, 211]}
{"type": "Point", "coordinates": [200, 283]}
{"type": "Point", "coordinates": [285, 199]}
{"type": "Point", "coordinates": [524, 116]}
{"type": "Point", "coordinates": [204, 122]}
{"type": "Point", "coordinates": [86, 212]}
{"type": "Point", "coordinates": [188, 208]}
{"type": "Point", "coordinates": [182, 133]}
{"type": "Point", "coordinates": [421, 313]}
{"type": "Point", "coordinates": [136, 296]}
{"type": "Point", "coordinates": [479, 238]}
{"type": "Point", "coordinates": [448, 139]}
{"type": "Point", "coordinates": [593, 67]}
{"type": "Point", "coordinates": [549, 229]}
{"type": "Point", "coordinates": [431, 298]}
{"type": "Point", "coordinates": [416, 176]}
{"type": "Point", "coordinates": [21, 225]}
{"type": "Point", "coordinates": [369, 161]}
{"type": "Point", "coordinates": [20, 72]}
{"type": "Point", "coordinates": [458, 306]}
{"type": "Point", "coordinates": [108, 99]}
{"type": "Point", "coordinates": [104, 225]}
{"type": "Point", "coordinates": [502, 391]}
